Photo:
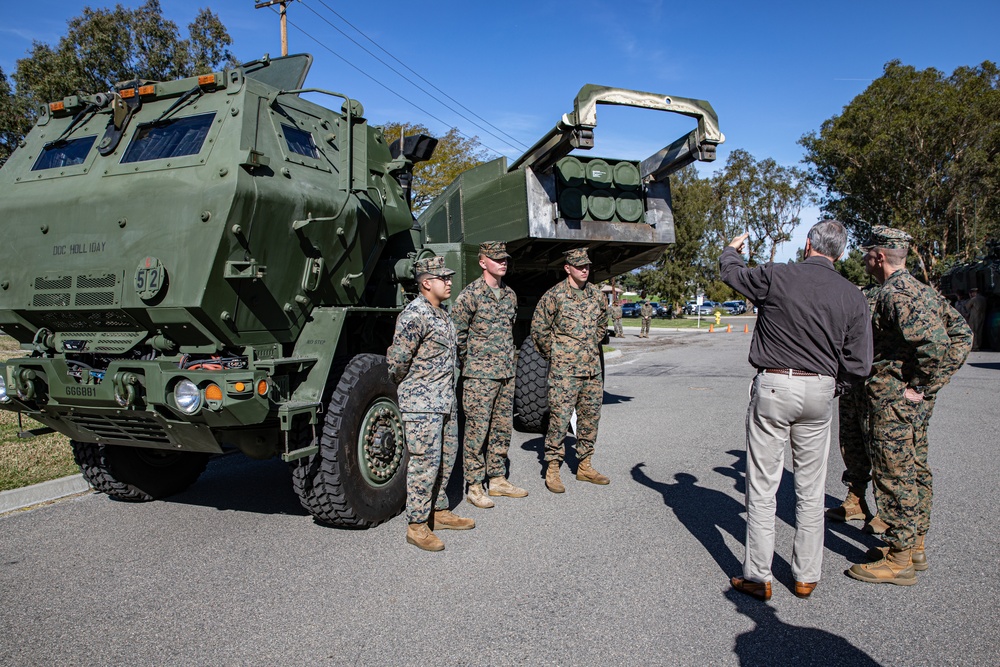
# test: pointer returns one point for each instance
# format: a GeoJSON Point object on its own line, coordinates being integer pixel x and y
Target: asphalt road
{"type": "Point", "coordinates": [234, 572]}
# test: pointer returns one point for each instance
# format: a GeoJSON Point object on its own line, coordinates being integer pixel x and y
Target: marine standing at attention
{"type": "Point", "coordinates": [616, 318]}
{"type": "Point", "coordinates": [484, 321]}
{"type": "Point", "coordinates": [568, 326]}
{"type": "Point", "coordinates": [919, 344]}
{"type": "Point", "coordinates": [422, 361]}
{"type": "Point", "coordinates": [646, 313]}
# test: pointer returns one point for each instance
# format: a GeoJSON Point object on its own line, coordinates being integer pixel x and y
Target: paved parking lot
{"type": "Point", "coordinates": [233, 571]}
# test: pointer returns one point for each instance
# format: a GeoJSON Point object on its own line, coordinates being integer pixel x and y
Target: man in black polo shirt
{"type": "Point", "coordinates": [813, 339]}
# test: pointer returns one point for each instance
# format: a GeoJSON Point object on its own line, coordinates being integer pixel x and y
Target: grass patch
{"type": "Point", "coordinates": [686, 322]}
{"type": "Point", "coordinates": [29, 461]}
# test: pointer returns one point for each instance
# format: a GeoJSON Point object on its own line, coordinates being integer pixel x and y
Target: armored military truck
{"type": "Point", "coordinates": [984, 275]}
{"type": "Point", "coordinates": [216, 263]}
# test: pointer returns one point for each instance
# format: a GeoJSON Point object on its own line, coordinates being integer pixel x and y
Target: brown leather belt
{"type": "Point", "coordinates": [788, 371]}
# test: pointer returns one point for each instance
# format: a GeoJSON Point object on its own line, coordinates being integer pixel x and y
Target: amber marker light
{"type": "Point", "coordinates": [240, 387]}
{"type": "Point", "coordinates": [127, 93]}
{"type": "Point", "coordinates": [56, 106]}
{"type": "Point", "coordinates": [206, 80]}
{"type": "Point", "coordinates": [262, 387]}
{"type": "Point", "coordinates": [213, 392]}
{"type": "Point", "coordinates": [147, 90]}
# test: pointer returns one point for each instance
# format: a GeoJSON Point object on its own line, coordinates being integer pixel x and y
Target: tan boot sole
{"type": "Point", "coordinates": [507, 494]}
{"type": "Point", "coordinates": [425, 547]}
{"type": "Point", "coordinates": [861, 574]}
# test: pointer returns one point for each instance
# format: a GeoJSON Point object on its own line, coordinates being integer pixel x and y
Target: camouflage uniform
{"type": "Point", "coordinates": [422, 361]}
{"type": "Point", "coordinates": [853, 424]}
{"type": "Point", "coordinates": [645, 312]}
{"type": "Point", "coordinates": [616, 319]}
{"type": "Point", "coordinates": [484, 322]}
{"type": "Point", "coordinates": [567, 328]}
{"type": "Point", "coordinates": [919, 344]}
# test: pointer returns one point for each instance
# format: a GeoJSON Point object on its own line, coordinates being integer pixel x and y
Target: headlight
{"type": "Point", "coordinates": [3, 390]}
{"type": "Point", "coordinates": [187, 396]}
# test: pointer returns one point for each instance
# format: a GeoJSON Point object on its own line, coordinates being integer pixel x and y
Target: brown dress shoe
{"type": "Point", "coordinates": [803, 589]}
{"type": "Point", "coordinates": [761, 591]}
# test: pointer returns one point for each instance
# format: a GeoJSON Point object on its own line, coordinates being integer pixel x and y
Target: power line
{"type": "Point", "coordinates": [414, 84]}
{"type": "Point", "coordinates": [411, 103]}
{"type": "Point", "coordinates": [417, 74]}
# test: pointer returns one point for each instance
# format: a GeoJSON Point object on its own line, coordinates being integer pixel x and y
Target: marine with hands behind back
{"type": "Point", "coordinates": [484, 319]}
{"type": "Point", "coordinates": [920, 341]}
{"type": "Point", "coordinates": [568, 327]}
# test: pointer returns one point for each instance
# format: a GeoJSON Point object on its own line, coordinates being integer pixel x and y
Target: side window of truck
{"type": "Point", "coordinates": [64, 153]}
{"type": "Point", "coordinates": [300, 141]}
{"type": "Point", "coordinates": [168, 139]}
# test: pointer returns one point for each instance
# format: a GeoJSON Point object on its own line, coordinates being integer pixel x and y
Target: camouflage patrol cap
{"type": "Point", "coordinates": [577, 257]}
{"type": "Point", "coordinates": [432, 265]}
{"type": "Point", "coordinates": [887, 237]}
{"type": "Point", "coordinates": [495, 250]}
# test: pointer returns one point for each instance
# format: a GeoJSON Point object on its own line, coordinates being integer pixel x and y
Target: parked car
{"type": "Point", "coordinates": [690, 308]}
{"type": "Point", "coordinates": [735, 307]}
{"type": "Point", "coordinates": [630, 309]}
{"type": "Point", "coordinates": [707, 308]}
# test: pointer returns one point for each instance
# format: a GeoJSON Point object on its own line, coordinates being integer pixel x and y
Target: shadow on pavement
{"type": "Point", "coordinates": [786, 511]}
{"type": "Point", "coordinates": [773, 642]}
{"type": "Point", "coordinates": [704, 512]}
{"type": "Point", "coordinates": [238, 483]}
{"type": "Point", "coordinates": [615, 399]}
{"type": "Point", "coordinates": [537, 445]}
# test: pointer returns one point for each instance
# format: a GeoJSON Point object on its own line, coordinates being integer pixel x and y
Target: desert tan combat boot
{"type": "Point", "coordinates": [854, 507]}
{"type": "Point", "coordinates": [420, 536]}
{"type": "Point", "coordinates": [586, 473]}
{"type": "Point", "coordinates": [875, 526]}
{"type": "Point", "coordinates": [919, 556]}
{"type": "Point", "coordinates": [552, 481]}
{"type": "Point", "coordinates": [445, 520]}
{"type": "Point", "coordinates": [476, 496]}
{"type": "Point", "coordinates": [896, 568]}
{"type": "Point", "coordinates": [499, 486]}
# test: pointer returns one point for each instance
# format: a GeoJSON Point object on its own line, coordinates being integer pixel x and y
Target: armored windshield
{"type": "Point", "coordinates": [167, 139]}
{"type": "Point", "coordinates": [299, 141]}
{"type": "Point", "coordinates": [64, 153]}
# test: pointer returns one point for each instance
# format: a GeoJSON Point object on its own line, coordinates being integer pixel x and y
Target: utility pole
{"type": "Point", "coordinates": [284, 22]}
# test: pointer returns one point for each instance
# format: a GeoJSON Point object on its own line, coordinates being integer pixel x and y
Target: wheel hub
{"type": "Point", "coordinates": [381, 442]}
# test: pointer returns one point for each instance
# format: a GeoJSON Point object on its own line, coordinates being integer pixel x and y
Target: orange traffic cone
{"type": "Point", "coordinates": [729, 328]}
{"type": "Point", "coordinates": [746, 328]}
{"type": "Point", "coordinates": [711, 328]}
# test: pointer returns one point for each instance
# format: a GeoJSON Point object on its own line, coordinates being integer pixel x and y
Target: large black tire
{"type": "Point", "coordinates": [531, 389]}
{"type": "Point", "coordinates": [137, 474]}
{"type": "Point", "coordinates": [358, 477]}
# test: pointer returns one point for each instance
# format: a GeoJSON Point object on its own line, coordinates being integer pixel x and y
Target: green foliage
{"type": "Point", "coordinates": [684, 266]}
{"type": "Point", "coordinates": [852, 267]}
{"type": "Point", "coordinates": [454, 154]}
{"type": "Point", "coordinates": [106, 46]}
{"type": "Point", "coordinates": [759, 197]}
{"type": "Point", "coordinates": [14, 123]}
{"type": "Point", "coordinates": [916, 150]}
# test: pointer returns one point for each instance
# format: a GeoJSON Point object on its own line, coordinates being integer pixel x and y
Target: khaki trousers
{"type": "Point", "coordinates": [796, 410]}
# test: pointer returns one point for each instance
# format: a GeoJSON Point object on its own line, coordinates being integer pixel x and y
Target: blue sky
{"type": "Point", "coordinates": [773, 71]}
